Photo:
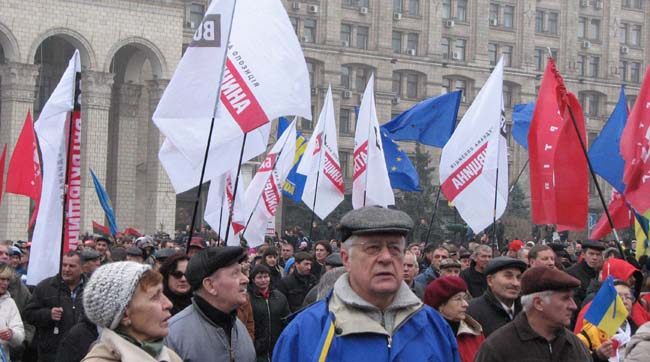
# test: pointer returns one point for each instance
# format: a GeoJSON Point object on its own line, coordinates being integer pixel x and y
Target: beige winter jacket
{"type": "Point", "coordinates": [638, 348]}
{"type": "Point", "coordinates": [111, 347]}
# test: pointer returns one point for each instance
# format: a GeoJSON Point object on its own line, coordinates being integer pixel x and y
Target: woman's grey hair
{"type": "Point", "coordinates": [527, 300]}
{"type": "Point", "coordinates": [327, 282]}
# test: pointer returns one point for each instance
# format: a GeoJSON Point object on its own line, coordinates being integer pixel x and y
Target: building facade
{"type": "Point", "coordinates": [416, 48]}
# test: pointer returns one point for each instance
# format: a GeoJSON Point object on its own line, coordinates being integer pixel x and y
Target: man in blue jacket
{"type": "Point", "coordinates": [371, 315]}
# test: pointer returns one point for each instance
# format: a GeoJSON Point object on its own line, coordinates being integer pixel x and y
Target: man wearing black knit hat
{"type": "Point", "coordinates": [208, 329]}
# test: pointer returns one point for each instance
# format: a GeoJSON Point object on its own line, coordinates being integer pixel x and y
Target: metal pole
{"type": "Point", "coordinates": [234, 191]}
{"type": "Point", "coordinates": [433, 215]}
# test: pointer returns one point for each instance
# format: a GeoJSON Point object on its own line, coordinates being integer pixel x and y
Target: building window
{"type": "Point", "coordinates": [412, 40]}
{"type": "Point", "coordinates": [397, 83]}
{"type": "Point", "coordinates": [310, 70]}
{"type": "Point", "coordinates": [361, 78]}
{"type": "Point", "coordinates": [492, 53]}
{"type": "Point", "coordinates": [453, 84]}
{"type": "Point", "coordinates": [631, 99]}
{"type": "Point", "coordinates": [508, 96]}
{"type": "Point", "coordinates": [362, 37]}
{"type": "Point", "coordinates": [635, 72]}
{"type": "Point", "coordinates": [591, 102]}
{"type": "Point", "coordinates": [622, 68]}
{"type": "Point", "coordinates": [345, 163]}
{"type": "Point", "coordinates": [355, 3]}
{"type": "Point", "coordinates": [461, 10]}
{"type": "Point", "coordinates": [398, 6]}
{"type": "Point", "coordinates": [446, 9]}
{"type": "Point", "coordinates": [506, 52]}
{"type": "Point", "coordinates": [294, 24]}
{"type": "Point", "coordinates": [635, 35]}
{"type": "Point", "coordinates": [632, 4]}
{"type": "Point", "coordinates": [397, 42]}
{"type": "Point", "coordinates": [541, 57]}
{"type": "Point", "coordinates": [346, 35]}
{"type": "Point", "coordinates": [539, 21]}
{"type": "Point", "coordinates": [509, 16]}
{"type": "Point", "coordinates": [345, 77]}
{"type": "Point", "coordinates": [306, 124]}
{"type": "Point", "coordinates": [345, 121]}
{"type": "Point", "coordinates": [580, 65]}
{"type": "Point", "coordinates": [582, 27]}
{"type": "Point", "coordinates": [552, 23]}
{"type": "Point", "coordinates": [196, 15]}
{"type": "Point", "coordinates": [309, 31]}
{"type": "Point", "coordinates": [459, 49]}
{"type": "Point", "coordinates": [444, 48]}
{"type": "Point", "coordinates": [414, 7]}
{"type": "Point", "coordinates": [495, 51]}
{"type": "Point", "coordinates": [364, 3]}
{"type": "Point", "coordinates": [594, 29]}
{"type": "Point", "coordinates": [412, 86]}
{"type": "Point", "coordinates": [494, 14]}
{"type": "Point", "coordinates": [594, 65]}
{"type": "Point", "coordinates": [622, 33]}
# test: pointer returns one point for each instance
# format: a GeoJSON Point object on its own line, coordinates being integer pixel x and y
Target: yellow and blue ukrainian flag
{"type": "Point", "coordinates": [326, 339]}
{"type": "Point", "coordinates": [607, 311]}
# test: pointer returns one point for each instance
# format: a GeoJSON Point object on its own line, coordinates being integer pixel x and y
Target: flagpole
{"type": "Point", "coordinates": [518, 176]}
{"type": "Point", "coordinates": [207, 146]}
{"type": "Point", "coordinates": [234, 191]}
{"type": "Point", "coordinates": [593, 176]}
{"type": "Point", "coordinates": [313, 208]}
{"type": "Point", "coordinates": [433, 215]}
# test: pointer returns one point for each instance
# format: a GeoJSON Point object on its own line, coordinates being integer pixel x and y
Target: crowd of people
{"type": "Point", "coordinates": [357, 293]}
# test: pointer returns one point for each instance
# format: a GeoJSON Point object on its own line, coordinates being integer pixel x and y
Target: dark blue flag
{"type": "Point", "coordinates": [430, 122]}
{"type": "Point", "coordinates": [522, 114]}
{"type": "Point", "coordinates": [401, 172]}
{"type": "Point", "coordinates": [605, 154]}
{"type": "Point", "coordinates": [105, 201]}
{"type": "Point", "coordinates": [295, 183]}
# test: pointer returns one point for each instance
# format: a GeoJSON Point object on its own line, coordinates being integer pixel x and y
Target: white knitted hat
{"type": "Point", "coordinates": [110, 290]}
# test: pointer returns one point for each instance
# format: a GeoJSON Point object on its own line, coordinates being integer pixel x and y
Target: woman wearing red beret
{"type": "Point", "coordinates": [449, 296]}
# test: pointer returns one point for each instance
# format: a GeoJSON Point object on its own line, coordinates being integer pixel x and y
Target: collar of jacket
{"type": "Point", "coordinates": [492, 299]}
{"type": "Point", "coordinates": [112, 347]}
{"type": "Point", "coordinates": [526, 332]}
{"type": "Point", "coordinates": [355, 315]}
{"type": "Point", "coordinates": [469, 326]}
{"type": "Point", "coordinates": [213, 315]}
{"type": "Point", "coordinates": [62, 284]}
{"type": "Point", "coordinates": [589, 270]}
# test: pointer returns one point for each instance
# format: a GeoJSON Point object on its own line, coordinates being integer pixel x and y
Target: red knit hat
{"type": "Point", "coordinates": [515, 245]}
{"type": "Point", "coordinates": [442, 289]}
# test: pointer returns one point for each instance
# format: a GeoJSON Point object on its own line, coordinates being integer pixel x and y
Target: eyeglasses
{"type": "Point", "coordinates": [459, 298]}
{"type": "Point", "coordinates": [373, 247]}
{"type": "Point", "coordinates": [177, 274]}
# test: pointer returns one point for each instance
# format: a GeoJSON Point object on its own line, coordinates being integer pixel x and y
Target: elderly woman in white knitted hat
{"type": "Point", "coordinates": [126, 299]}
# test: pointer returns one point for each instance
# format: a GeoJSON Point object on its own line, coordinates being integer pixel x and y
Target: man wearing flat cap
{"type": "Point", "coordinates": [371, 315]}
{"type": "Point", "coordinates": [588, 268]}
{"type": "Point", "coordinates": [90, 261]}
{"type": "Point", "coordinates": [539, 333]}
{"type": "Point", "coordinates": [208, 329]}
{"type": "Point", "coordinates": [499, 304]}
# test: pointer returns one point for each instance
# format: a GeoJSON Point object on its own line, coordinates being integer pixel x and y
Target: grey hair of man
{"type": "Point", "coordinates": [351, 241]}
{"type": "Point", "coordinates": [415, 258]}
{"type": "Point", "coordinates": [527, 300]}
{"type": "Point", "coordinates": [481, 249]}
{"type": "Point", "coordinates": [327, 281]}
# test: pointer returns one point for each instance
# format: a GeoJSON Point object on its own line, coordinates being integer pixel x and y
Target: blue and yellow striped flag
{"type": "Point", "coordinates": [607, 311]}
{"type": "Point", "coordinates": [326, 338]}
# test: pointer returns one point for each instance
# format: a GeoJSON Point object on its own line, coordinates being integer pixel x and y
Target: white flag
{"type": "Point", "coordinates": [473, 155]}
{"type": "Point", "coordinates": [371, 185]}
{"type": "Point", "coordinates": [265, 190]}
{"type": "Point", "coordinates": [220, 201]}
{"type": "Point", "coordinates": [322, 157]}
{"type": "Point", "coordinates": [52, 137]}
{"type": "Point", "coordinates": [265, 76]}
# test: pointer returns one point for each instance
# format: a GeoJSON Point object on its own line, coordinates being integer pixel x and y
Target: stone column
{"type": "Point", "coordinates": [161, 198]}
{"type": "Point", "coordinates": [95, 103]}
{"type": "Point", "coordinates": [128, 96]}
{"type": "Point", "coordinates": [17, 94]}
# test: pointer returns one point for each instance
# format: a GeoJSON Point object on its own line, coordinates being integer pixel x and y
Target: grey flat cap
{"type": "Point", "coordinates": [334, 260]}
{"type": "Point", "coordinates": [163, 254]}
{"type": "Point", "coordinates": [504, 262]}
{"type": "Point", "coordinates": [87, 255]}
{"type": "Point", "coordinates": [374, 220]}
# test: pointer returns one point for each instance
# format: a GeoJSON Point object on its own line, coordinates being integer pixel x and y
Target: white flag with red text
{"type": "Point", "coordinates": [321, 162]}
{"type": "Point", "coordinates": [476, 151]}
{"type": "Point", "coordinates": [221, 200]}
{"type": "Point", "coordinates": [370, 185]}
{"type": "Point", "coordinates": [265, 190]}
{"type": "Point", "coordinates": [52, 135]}
{"type": "Point", "coordinates": [264, 76]}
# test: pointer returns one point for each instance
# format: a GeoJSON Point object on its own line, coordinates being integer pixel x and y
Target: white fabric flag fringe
{"type": "Point", "coordinates": [264, 76]}
{"type": "Point", "coordinates": [264, 193]}
{"type": "Point", "coordinates": [370, 183]}
{"type": "Point", "coordinates": [322, 157]}
{"type": "Point", "coordinates": [220, 202]}
{"type": "Point", "coordinates": [474, 153]}
{"type": "Point", "coordinates": [52, 136]}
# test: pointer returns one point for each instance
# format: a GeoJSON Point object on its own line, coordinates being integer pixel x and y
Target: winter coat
{"type": "Point", "coordinates": [179, 301]}
{"type": "Point", "coordinates": [21, 295]}
{"type": "Point", "coordinates": [295, 287]}
{"type": "Point", "coordinates": [638, 348]}
{"type": "Point", "coordinates": [268, 315]}
{"type": "Point", "coordinates": [337, 329]}
{"type": "Point", "coordinates": [111, 347]}
{"type": "Point", "coordinates": [518, 342]}
{"type": "Point", "coordinates": [197, 339]}
{"type": "Point", "coordinates": [10, 319]}
{"type": "Point", "coordinates": [38, 313]}
{"type": "Point", "coordinates": [76, 343]}
{"type": "Point", "coordinates": [489, 313]}
{"type": "Point", "coordinates": [476, 281]}
{"type": "Point", "coordinates": [245, 315]}
{"type": "Point", "coordinates": [585, 274]}
{"type": "Point", "coordinates": [429, 275]}
{"type": "Point", "coordinates": [469, 338]}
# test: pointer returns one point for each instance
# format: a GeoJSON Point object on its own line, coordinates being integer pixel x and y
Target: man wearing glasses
{"type": "Point", "coordinates": [371, 314]}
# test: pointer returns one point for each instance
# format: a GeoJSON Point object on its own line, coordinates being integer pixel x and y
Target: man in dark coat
{"type": "Point", "coordinates": [54, 320]}
{"type": "Point", "coordinates": [587, 269]}
{"type": "Point", "coordinates": [474, 276]}
{"type": "Point", "coordinates": [296, 285]}
{"type": "Point", "coordinates": [539, 333]}
{"type": "Point", "coordinates": [499, 304]}
{"type": "Point", "coordinates": [76, 343]}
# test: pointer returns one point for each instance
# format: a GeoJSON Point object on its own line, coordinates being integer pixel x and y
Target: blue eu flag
{"type": "Point", "coordinates": [401, 172]}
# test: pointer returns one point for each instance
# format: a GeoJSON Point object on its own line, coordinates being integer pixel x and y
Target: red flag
{"type": "Point", "coordinates": [132, 232]}
{"type": "Point", "coordinates": [24, 175]}
{"type": "Point", "coordinates": [620, 213]}
{"type": "Point", "coordinates": [635, 149]}
{"type": "Point", "coordinates": [100, 229]}
{"type": "Point", "coordinates": [2, 169]}
{"type": "Point", "coordinates": [558, 168]}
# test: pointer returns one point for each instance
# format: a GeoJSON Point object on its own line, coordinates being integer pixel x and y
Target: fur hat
{"type": "Point", "coordinates": [110, 290]}
{"type": "Point", "coordinates": [440, 290]}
